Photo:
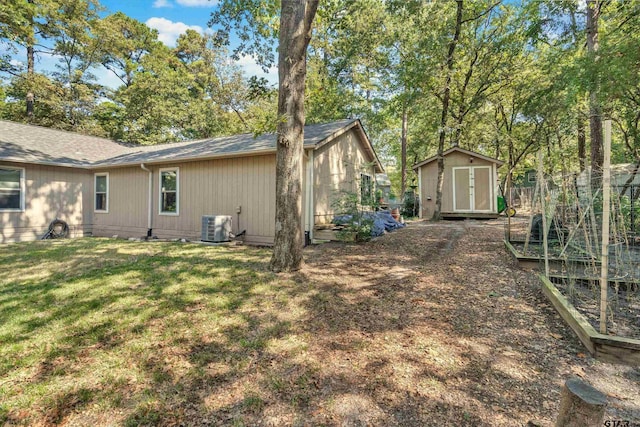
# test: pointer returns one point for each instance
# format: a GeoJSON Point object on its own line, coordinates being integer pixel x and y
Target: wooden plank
{"type": "Point", "coordinates": [608, 348]}
{"type": "Point", "coordinates": [574, 319]}
{"type": "Point", "coordinates": [617, 354]}
{"type": "Point", "coordinates": [470, 215]}
{"type": "Point", "coordinates": [616, 341]}
{"type": "Point", "coordinates": [606, 208]}
{"type": "Point", "coordinates": [325, 235]}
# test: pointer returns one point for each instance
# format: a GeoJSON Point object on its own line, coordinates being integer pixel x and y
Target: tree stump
{"type": "Point", "coordinates": [581, 405]}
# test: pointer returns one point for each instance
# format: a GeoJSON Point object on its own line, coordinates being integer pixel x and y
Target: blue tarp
{"type": "Point", "coordinates": [382, 221]}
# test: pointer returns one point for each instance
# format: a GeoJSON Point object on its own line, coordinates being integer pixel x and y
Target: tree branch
{"type": "Point", "coordinates": [464, 21]}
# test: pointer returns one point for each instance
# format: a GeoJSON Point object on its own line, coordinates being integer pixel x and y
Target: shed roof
{"type": "Point", "coordinates": [461, 150]}
{"type": "Point", "coordinates": [35, 144]}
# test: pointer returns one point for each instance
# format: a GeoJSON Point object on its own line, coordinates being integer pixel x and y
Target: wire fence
{"type": "Point", "coordinates": [569, 210]}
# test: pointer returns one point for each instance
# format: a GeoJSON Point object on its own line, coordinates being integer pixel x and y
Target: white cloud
{"type": "Point", "coordinates": [168, 31]}
{"type": "Point", "coordinates": [162, 3]}
{"type": "Point", "coordinates": [251, 68]}
{"type": "Point", "coordinates": [197, 3]}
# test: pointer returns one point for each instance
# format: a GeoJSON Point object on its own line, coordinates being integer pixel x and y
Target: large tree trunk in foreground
{"type": "Point", "coordinates": [296, 19]}
{"type": "Point", "coordinates": [595, 113]}
{"type": "Point", "coordinates": [446, 96]}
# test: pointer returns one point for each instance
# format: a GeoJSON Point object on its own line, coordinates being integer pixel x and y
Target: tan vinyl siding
{"type": "Point", "coordinates": [338, 165]}
{"type": "Point", "coordinates": [50, 192]}
{"type": "Point", "coordinates": [429, 174]}
{"type": "Point", "coordinates": [127, 216]}
{"type": "Point", "coordinates": [210, 187]}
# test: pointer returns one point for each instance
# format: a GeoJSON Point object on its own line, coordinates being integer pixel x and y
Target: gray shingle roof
{"type": "Point", "coordinates": [34, 144]}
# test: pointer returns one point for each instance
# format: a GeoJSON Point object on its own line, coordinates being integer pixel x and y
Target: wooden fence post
{"type": "Point", "coordinates": [606, 208]}
{"type": "Point", "coordinates": [581, 405]}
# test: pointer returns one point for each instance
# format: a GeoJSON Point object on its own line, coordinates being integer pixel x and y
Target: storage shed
{"type": "Point", "coordinates": [470, 187]}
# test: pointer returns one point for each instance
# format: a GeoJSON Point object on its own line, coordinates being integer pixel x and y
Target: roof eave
{"type": "Point", "coordinates": [368, 146]}
{"type": "Point", "coordinates": [452, 149]}
{"type": "Point", "coordinates": [85, 166]}
{"type": "Point", "coordinates": [246, 153]}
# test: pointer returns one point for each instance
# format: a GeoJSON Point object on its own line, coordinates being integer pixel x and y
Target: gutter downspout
{"type": "Point", "coordinates": [149, 217]}
{"type": "Point", "coordinates": [309, 195]}
{"type": "Point", "coordinates": [421, 200]}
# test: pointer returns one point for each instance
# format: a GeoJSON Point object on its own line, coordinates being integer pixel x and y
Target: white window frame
{"type": "Point", "coordinates": [95, 192]}
{"type": "Point", "coordinates": [160, 211]}
{"type": "Point", "coordinates": [22, 189]}
{"type": "Point", "coordinates": [371, 189]}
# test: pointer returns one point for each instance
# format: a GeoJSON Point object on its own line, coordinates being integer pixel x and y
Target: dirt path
{"type": "Point", "coordinates": [435, 325]}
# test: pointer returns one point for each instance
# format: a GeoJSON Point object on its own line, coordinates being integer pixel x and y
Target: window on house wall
{"type": "Point", "coordinates": [101, 192]}
{"type": "Point", "coordinates": [531, 176]}
{"type": "Point", "coordinates": [11, 189]}
{"type": "Point", "coordinates": [169, 188]}
{"type": "Point", "coordinates": [366, 189]}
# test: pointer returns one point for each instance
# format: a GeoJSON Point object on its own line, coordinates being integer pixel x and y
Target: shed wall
{"type": "Point", "coordinates": [50, 192]}
{"type": "Point", "coordinates": [429, 176]}
{"type": "Point", "coordinates": [338, 165]}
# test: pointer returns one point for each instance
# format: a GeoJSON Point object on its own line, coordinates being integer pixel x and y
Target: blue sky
{"type": "Point", "coordinates": [170, 18]}
{"type": "Point", "coordinates": [173, 17]}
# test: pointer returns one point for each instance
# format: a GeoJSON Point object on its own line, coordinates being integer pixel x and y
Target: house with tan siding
{"type": "Point", "coordinates": [101, 187]}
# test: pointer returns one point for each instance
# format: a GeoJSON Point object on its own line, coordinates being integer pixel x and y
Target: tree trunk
{"type": "Point", "coordinates": [403, 154]}
{"type": "Point", "coordinates": [31, 59]}
{"type": "Point", "coordinates": [582, 145]}
{"type": "Point", "coordinates": [595, 113]}
{"type": "Point", "coordinates": [437, 213]}
{"type": "Point", "coordinates": [581, 405]}
{"type": "Point", "coordinates": [295, 33]}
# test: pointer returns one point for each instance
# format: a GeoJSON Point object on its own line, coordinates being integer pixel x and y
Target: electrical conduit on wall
{"type": "Point", "coordinates": [150, 200]}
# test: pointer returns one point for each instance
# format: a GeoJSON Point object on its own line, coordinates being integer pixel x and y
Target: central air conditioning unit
{"type": "Point", "coordinates": [216, 228]}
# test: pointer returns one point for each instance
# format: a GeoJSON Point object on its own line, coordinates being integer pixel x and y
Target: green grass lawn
{"type": "Point", "coordinates": [99, 331]}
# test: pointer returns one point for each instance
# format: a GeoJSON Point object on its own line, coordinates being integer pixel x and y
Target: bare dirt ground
{"type": "Point", "coordinates": [435, 325]}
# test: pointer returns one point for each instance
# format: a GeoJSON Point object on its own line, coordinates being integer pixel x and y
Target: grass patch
{"type": "Point", "coordinates": [144, 330]}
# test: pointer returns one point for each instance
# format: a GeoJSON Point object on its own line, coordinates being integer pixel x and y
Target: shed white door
{"type": "Point", "coordinates": [472, 189]}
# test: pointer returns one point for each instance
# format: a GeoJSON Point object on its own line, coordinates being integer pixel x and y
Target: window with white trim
{"type": "Point", "coordinates": [366, 189]}
{"type": "Point", "coordinates": [169, 188]}
{"type": "Point", "coordinates": [101, 187]}
{"type": "Point", "coordinates": [531, 176]}
{"type": "Point", "coordinates": [11, 189]}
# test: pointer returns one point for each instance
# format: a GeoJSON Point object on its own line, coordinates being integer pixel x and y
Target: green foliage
{"type": "Point", "coordinates": [167, 94]}
{"type": "Point", "coordinates": [520, 77]}
{"type": "Point", "coordinates": [357, 225]}
{"type": "Point", "coordinates": [410, 204]}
